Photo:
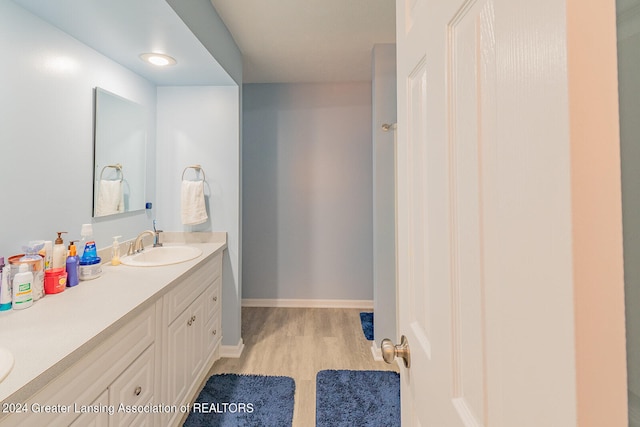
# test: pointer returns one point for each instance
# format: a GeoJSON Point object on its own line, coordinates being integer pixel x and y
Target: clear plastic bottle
{"type": "Point", "coordinates": [36, 265]}
{"type": "Point", "coordinates": [90, 267]}
{"type": "Point", "coordinates": [115, 251]}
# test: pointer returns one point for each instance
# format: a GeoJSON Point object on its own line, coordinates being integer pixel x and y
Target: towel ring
{"type": "Point", "coordinates": [117, 167]}
{"type": "Point", "coordinates": [196, 167]}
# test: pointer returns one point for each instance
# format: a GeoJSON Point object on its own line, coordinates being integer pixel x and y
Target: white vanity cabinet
{"type": "Point", "coordinates": [191, 313]}
{"type": "Point", "coordinates": [84, 393]}
{"type": "Point", "coordinates": [95, 419]}
{"type": "Point", "coordinates": [158, 357]}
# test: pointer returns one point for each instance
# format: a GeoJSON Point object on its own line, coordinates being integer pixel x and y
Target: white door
{"type": "Point", "coordinates": [486, 227]}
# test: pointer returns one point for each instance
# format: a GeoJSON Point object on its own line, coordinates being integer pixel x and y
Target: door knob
{"type": "Point", "coordinates": [390, 351]}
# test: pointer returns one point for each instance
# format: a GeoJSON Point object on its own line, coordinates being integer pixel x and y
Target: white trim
{"type": "Point", "coordinates": [232, 351]}
{"type": "Point", "coordinates": [308, 303]}
{"type": "Point", "coordinates": [377, 352]}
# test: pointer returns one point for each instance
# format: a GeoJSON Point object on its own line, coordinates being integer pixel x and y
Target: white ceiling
{"type": "Point", "coordinates": [307, 40]}
{"type": "Point", "coordinates": [123, 29]}
{"type": "Point", "coordinates": [281, 40]}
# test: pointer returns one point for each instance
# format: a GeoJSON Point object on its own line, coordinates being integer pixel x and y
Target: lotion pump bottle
{"type": "Point", "coordinates": [115, 251]}
{"type": "Point", "coordinates": [59, 252]}
{"type": "Point", "coordinates": [73, 264]}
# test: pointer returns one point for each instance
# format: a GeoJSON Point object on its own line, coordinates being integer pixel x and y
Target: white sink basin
{"type": "Point", "coordinates": [6, 363]}
{"type": "Point", "coordinates": [164, 255]}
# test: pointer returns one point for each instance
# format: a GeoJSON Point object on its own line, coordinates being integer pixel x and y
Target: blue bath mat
{"type": "Point", "coordinates": [231, 400]}
{"type": "Point", "coordinates": [357, 398]}
{"type": "Point", "coordinates": [367, 325]}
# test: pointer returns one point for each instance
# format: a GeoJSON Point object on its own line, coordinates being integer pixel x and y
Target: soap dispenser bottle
{"type": "Point", "coordinates": [115, 251]}
{"type": "Point", "coordinates": [59, 252]}
{"type": "Point", "coordinates": [73, 264]}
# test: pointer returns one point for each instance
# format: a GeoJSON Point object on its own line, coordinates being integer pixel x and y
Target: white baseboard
{"type": "Point", "coordinates": [308, 303]}
{"type": "Point", "coordinates": [232, 351]}
{"type": "Point", "coordinates": [377, 353]}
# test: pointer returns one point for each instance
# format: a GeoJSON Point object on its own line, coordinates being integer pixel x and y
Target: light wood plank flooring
{"type": "Point", "coordinates": [299, 342]}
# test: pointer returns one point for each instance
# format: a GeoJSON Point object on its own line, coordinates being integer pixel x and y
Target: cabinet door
{"type": "Point", "coordinates": [196, 343]}
{"type": "Point", "coordinates": [95, 419]}
{"type": "Point", "coordinates": [185, 353]}
{"type": "Point", "coordinates": [133, 388]}
{"type": "Point", "coordinates": [178, 359]}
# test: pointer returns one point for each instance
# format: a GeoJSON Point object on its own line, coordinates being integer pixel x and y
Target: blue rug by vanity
{"type": "Point", "coordinates": [367, 325]}
{"type": "Point", "coordinates": [231, 400]}
{"type": "Point", "coordinates": [357, 398]}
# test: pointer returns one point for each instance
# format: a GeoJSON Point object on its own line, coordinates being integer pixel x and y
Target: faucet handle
{"type": "Point", "coordinates": [156, 240]}
{"type": "Point", "coordinates": [130, 251]}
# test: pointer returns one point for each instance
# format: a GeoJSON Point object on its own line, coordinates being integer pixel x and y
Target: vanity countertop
{"type": "Point", "coordinates": [59, 329]}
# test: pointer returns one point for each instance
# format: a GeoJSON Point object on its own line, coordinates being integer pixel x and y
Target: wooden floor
{"type": "Point", "coordinates": [299, 342]}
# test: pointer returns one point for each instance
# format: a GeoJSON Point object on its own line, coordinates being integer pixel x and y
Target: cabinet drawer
{"type": "Point", "coordinates": [212, 334]}
{"type": "Point", "coordinates": [176, 301]}
{"type": "Point", "coordinates": [212, 298]}
{"type": "Point", "coordinates": [133, 388]}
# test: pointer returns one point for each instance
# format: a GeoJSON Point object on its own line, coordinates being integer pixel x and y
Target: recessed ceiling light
{"type": "Point", "coordinates": [158, 59]}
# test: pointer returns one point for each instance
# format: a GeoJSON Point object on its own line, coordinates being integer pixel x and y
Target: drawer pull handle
{"type": "Point", "coordinates": [190, 322]}
{"type": "Point", "coordinates": [137, 391]}
{"type": "Point", "coordinates": [215, 298]}
{"type": "Point", "coordinates": [193, 318]}
{"type": "Point", "coordinates": [213, 332]}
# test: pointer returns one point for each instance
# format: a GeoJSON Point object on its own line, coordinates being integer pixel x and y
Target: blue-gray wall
{"type": "Point", "coordinates": [200, 125]}
{"type": "Point", "coordinates": [46, 133]}
{"type": "Point", "coordinates": [307, 191]}
{"type": "Point", "coordinates": [384, 198]}
{"type": "Point", "coordinates": [629, 89]}
{"type": "Point", "coordinates": [46, 136]}
{"type": "Point", "coordinates": [205, 23]}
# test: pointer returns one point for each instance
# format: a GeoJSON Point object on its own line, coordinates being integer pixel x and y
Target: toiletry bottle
{"type": "Point", "coordinates": [90, 267]}
{"type": "Point", "coordinates": [5, 288]}
{"type": "Point", "coordinates": [22, 292]}
{"type": "Point", "coordinates": [36, 266]}
{"type": "Point", "coordinates": [115, 251]}
{"type": "Point", "coordinates": [73, 263]}
{"type": "Point", "coordinates": [59, 252]}
{"type": "Point", "coordinates": [89, 248]}
{"type": "Point", "coordinates": [47, 254]}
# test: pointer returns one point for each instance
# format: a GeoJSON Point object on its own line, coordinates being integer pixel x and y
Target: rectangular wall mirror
{"type": "Point", "coordinates": [120, 152]}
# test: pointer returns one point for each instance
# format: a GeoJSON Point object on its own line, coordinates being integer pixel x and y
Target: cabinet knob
{"type": "Point", "coordinates": [190, 321]}
{"type": "Point", "coordinates": [215, 298]}
{"type": "Point", "coordinates": [137, 391]}
{"type": "Point", "coordinates": [213, 332]}
{"type": "Point", "coordinates": [193, 318]}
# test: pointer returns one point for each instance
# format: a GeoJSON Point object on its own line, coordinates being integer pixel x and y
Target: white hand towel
{"type": "Point", "coordinates": [110, 198]}
{"type": "Point", "coordinates": [193, 208]}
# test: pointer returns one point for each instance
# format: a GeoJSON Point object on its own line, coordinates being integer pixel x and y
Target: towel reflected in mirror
{"type": "Point", "coordinates": [110, 198]}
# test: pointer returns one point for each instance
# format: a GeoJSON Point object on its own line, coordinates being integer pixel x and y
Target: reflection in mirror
{"type": "Point", "coordinates": [119, 155]}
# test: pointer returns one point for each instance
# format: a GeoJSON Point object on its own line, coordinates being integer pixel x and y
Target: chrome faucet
{"type": "Point", "coordinates": [137, 245]}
